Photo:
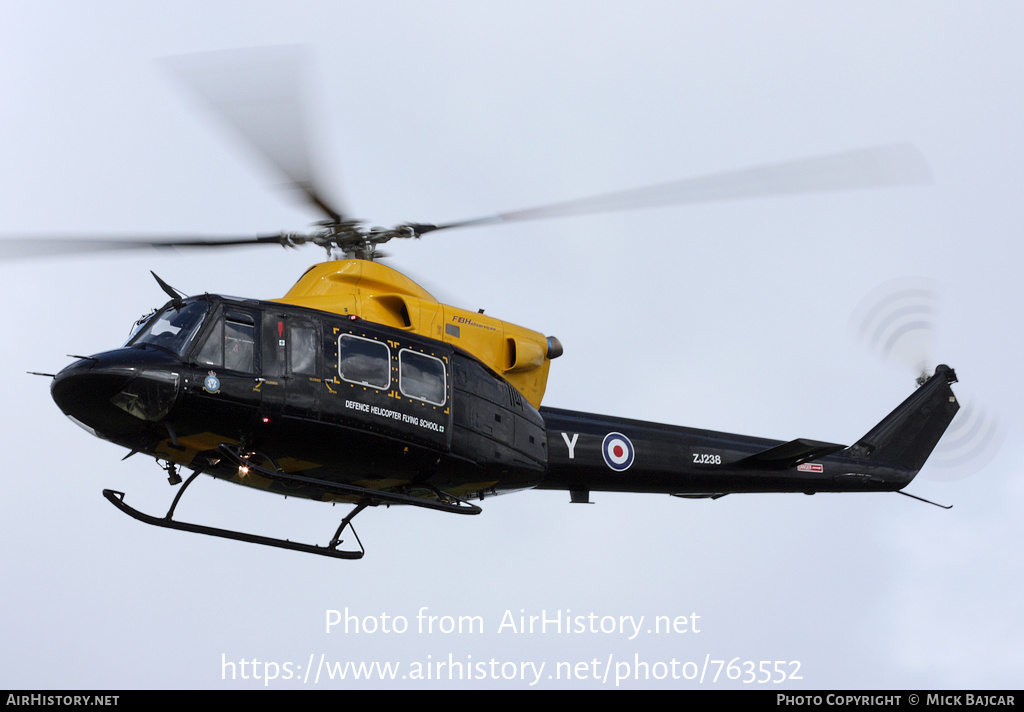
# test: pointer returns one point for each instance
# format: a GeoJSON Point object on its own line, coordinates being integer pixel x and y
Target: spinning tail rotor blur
{"type": "Point", "coordinates": [899, 321]}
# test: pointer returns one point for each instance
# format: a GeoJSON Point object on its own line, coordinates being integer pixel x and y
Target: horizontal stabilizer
{"type": "Point", "coordinates": [787, 455]}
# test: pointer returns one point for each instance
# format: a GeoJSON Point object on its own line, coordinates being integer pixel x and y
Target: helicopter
{"type": "Point", "coordinates": [359, 387]}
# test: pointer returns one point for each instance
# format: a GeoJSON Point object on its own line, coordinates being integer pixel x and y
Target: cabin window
{"type": "Point", "coordinates": [290, 346]}
{"type": "Point", "coordinates": [421, 377]}
{"type": "Point", "coordinates": [302, 349]}
{"type": "Point", "coordinates": [364, 361]}
{"type": "Point", "coordinates": [273, 354]}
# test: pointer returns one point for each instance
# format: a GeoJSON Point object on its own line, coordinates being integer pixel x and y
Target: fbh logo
{"type": "Point", "coordinates": [618, 451]}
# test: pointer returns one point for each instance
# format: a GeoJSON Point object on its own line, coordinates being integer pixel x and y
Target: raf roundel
{"type": "Point", "coordinates": [618, 451]}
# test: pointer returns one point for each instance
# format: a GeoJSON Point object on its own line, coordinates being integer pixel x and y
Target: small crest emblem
{"type": "Point", "coordinates": [211, 384]}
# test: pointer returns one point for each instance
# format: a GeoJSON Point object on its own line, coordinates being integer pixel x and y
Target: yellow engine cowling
{"type": "Point", "coordinates": [382, 295]}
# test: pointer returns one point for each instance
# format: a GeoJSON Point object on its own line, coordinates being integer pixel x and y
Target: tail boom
{"type": "Point", "coordinates": [588, 452]}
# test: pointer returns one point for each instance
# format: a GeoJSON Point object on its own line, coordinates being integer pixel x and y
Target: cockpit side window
{"type": "Point", "coordinates": [238, 346]}
{"type": "Point", "coordinates": [212, 351]}
{"type": "Point", "coordinates": [230, 344]}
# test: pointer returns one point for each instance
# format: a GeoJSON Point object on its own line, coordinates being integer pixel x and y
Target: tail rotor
{"type": "Point", "coordinates": [898, 321]}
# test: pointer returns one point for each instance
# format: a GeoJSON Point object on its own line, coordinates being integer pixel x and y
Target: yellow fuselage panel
{"type": "Point", "coordinates": [377, 293]}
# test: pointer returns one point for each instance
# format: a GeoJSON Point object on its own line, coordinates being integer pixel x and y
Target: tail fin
{"type": "Point", "coordinates": [907, 436]}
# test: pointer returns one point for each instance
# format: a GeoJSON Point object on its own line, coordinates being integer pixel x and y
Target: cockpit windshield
{"type": "Point", "coordinates": [172, 329]}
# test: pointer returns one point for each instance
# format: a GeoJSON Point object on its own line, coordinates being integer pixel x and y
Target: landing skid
{"type": "Point", "coordinates": [366, 498]}
{"type": "Point", "coordinates": [331, 550]}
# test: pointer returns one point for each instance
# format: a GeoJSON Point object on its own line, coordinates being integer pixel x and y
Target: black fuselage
{"type": "Point", "coordinates": [344, 400]}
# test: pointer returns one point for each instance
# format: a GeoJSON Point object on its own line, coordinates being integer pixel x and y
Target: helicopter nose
{"type": "Point", "coordinates": [114, 393]}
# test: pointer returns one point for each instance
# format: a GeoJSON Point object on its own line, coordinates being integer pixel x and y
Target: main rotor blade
{"type": "Point", "coordinates": [47, 246]}
{"type": "Point", "coordinates": [258, 94]}
{"type": "Point", "coordinates": [881, 166]}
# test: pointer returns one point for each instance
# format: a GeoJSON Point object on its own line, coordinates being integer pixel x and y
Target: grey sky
{"type": "Point", "coordinates": [732, 316]}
